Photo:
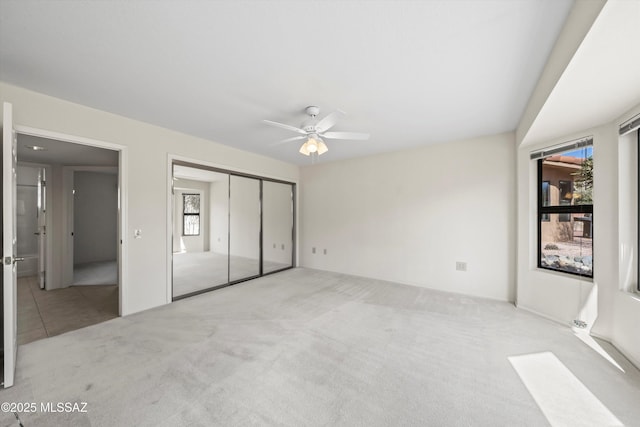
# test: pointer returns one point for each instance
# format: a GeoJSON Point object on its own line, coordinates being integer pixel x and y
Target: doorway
{"type": "Point", "coordinates": [69, 277]}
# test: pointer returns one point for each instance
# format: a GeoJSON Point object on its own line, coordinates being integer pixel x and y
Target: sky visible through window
{"type": "Point", "coordinates": [582, 153]}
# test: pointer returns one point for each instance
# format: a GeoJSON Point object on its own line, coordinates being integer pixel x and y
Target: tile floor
{"type": "Point", "coordinates": [43, 314]}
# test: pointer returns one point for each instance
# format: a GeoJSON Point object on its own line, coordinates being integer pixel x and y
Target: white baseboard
{"type": "Point", "coordinates": [618, 347]}
{"type": "Point", "coordinates": [546, 316]}
{"type": "Point", "coordinates": [635, 362]}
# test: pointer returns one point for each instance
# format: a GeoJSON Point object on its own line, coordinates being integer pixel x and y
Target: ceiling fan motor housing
{"type": "Point", "coordinates": [312, 110]}
{"type": "Point", "coordinates": [309, 125]}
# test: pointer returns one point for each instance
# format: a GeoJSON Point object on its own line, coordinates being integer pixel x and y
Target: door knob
{"type": "Point", "coordinates": [8, 260]}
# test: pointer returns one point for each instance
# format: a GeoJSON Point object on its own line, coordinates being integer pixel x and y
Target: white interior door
{"type": "Point", "coordinates": [9, 258]}
{"type": "Point", "coordinates": [42, 227]}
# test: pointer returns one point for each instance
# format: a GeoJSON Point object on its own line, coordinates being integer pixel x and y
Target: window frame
{"type": "Point", "coordinates": [190, 214]}
{"type": "Point", "coordinates": [561, 199]}
{"type": "Point", "coordinates": [546, 217]}
{"type": "Point", "coordinates": [560, 209]}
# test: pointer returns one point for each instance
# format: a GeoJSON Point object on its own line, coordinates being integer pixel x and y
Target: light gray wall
{"type": "Point", "coordinates": [409, 216]}
{"type": "Point", "coordinates": [95, 218]}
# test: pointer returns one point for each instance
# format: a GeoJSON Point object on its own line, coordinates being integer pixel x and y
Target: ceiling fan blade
{"type": "Point", "coordinates": [295, 138]}
{"type": "Point", "coordinates": [329, 121]}
{"type": "Point", "coordinates": [283, 126]}
{"type": "Point", "coordinates": [346, 135]}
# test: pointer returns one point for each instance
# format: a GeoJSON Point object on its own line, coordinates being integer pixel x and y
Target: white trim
{"type": "Point", "coordinates": [543, 315]}
{"type": "Point", "coordinates": [173, 157]}
{"type": "Point", "coordinates": [122, 187]}
{"type": "Point", "coordinates": [618, 347]}
{"type": "Point", "coordinates": [633, 294]}
{"type": "Point", "coordinates": [635, 362]}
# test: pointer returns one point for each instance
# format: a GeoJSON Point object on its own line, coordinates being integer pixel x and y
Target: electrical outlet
{"type": "Point", "coordinates": [461, 266]}
{"type": "Point", "coordinates": [313, 250]}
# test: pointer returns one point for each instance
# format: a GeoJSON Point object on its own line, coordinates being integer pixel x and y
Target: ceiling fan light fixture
{"type": "Point", "coordinates": [304, 150]}
{"type": "Point", "coordinates": [312, 129]}
{"type": "Point", "coordinates": [322, 148]}
{"type": "Point", "coordinates": [313, 145]}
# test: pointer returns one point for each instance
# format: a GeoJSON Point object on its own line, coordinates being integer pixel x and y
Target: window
{"type": "Point", "coordinates": [190, 214]}
{"type": "Point", "coordinates": [565, 209]}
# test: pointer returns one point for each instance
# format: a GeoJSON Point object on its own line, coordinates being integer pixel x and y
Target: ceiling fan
{"type": "Point", "coordinates": [314, 130]}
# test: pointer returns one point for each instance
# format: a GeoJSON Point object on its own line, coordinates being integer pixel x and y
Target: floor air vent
{"type": "Point", "coordinates": [580, 324]}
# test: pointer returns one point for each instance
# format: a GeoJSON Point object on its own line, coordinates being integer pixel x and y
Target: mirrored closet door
{"type": "Point", "coordinates": [200, 230]}
{"type": "Point", "coordinates": [277, 225]}
{"type": "Point", "coordinates": [228, 227]}
{"type": "Point", "coordinates": [244, 228]}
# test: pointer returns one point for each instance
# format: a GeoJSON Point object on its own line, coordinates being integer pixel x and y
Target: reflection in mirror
{"type": "Point", "coordinates": [277, 226]}
{"type": "Point", "coordinates": [244, 228]}
{"type": "Point", "coordinates": [200, 229]}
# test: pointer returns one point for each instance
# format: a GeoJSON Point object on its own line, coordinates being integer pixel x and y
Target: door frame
{"type": "Point", "coordinates": [122, 196]}
{"type": "Point", "coordinates": [48, 218]}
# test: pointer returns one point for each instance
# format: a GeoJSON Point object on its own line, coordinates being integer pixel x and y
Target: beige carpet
{"type": "Point", "coordinates": [310, 348]}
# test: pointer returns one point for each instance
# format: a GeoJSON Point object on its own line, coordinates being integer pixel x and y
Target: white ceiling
{"type": "Point", "coordinates": [407, 72]}
{"type": "Point", "coordinates": [63, 153]}
{"type": "Point", "coordinates": [601, 82]}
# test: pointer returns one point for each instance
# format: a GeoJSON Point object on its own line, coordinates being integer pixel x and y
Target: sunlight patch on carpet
{"type": "Point", "coordinates": [562, 397]}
